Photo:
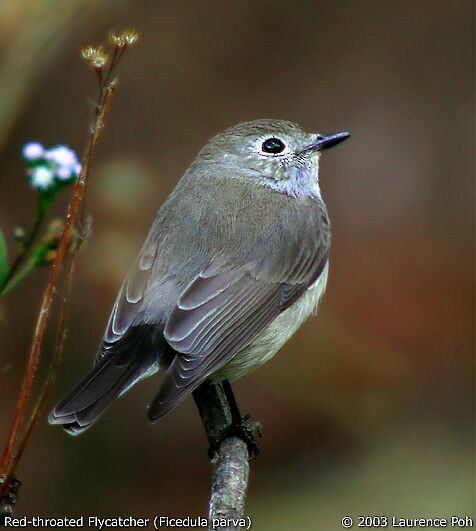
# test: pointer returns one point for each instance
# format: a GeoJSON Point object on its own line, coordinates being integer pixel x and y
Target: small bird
{"type": "Point", "coordinates": [236, 260]}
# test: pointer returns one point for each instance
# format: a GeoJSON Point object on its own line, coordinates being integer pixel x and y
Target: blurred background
{"type": "Point", "coordinates": [368, 409]}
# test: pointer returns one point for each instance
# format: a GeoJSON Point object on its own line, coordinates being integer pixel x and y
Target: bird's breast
{"type": "Point", "coordinates": [274, 336]}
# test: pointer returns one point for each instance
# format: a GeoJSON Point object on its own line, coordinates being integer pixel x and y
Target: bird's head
{"type": "Point", "coordinates": [276, 153]}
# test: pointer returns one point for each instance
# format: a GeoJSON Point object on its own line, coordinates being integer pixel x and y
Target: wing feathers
{"type": "Point", "coordinates": [184, 376]}
{"type": "Point", "coordinates": [205, 289]}
{"type": "Point", "coordinates": [234, 298]}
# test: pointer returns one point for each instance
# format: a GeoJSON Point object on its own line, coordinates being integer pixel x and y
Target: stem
{"type": "Point", "coordinates": [24, 271]}
{"type": "Point", "coordinates": [230, 466]}
{"type": "Point", "coordinates": [7, 467]}
{"type": "Point", "coordinates": [7, 284]}
{"type": "Point", "coordinates": [53, 369]}
{"type": "Point", "coordinates": [59, 347]}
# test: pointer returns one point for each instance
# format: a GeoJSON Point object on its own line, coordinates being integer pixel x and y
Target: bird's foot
{"type": "Point", "coordinates": [245, 429]}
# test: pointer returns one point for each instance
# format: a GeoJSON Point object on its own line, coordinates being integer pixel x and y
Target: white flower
{"type": "Point", "coordinates": [62, 156]}
{"type": "Point", "coordinates": [42, 178]}
{"type": "Point", "coordinates": [33, 151]}
{"type": "Point", "coordinates": [46, 167]}
{"type": "Point", "coordinates": [64, 173]}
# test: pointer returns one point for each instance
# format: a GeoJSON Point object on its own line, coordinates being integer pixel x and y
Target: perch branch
{"type": "Point", "coordinates": [230, 465]}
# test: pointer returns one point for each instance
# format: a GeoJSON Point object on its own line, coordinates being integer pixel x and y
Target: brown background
{"type": "Point", "coordinates": [368, 409]}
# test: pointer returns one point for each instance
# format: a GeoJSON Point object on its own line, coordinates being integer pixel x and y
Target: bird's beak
{"type": "Point", "coordinates": [328, 141]}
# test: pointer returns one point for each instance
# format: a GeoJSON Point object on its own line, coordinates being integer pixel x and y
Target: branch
{"type": "Point", "coordinates": [230, 465]}
{"type": "Point", "coordinates": [6, 468]}
{"type": "Point", "coordinates": [75, 216]}
{"type": "Point", "coordinates": [54, 365]}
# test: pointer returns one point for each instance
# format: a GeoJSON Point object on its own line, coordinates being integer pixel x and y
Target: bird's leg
{"type": "Point", "coordinates": [230, 397]}
{"type": "Point", "coordinates": [242, 427]}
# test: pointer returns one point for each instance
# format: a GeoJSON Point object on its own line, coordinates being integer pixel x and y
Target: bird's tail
{"type": "Point", "coordinates": [127, 362]}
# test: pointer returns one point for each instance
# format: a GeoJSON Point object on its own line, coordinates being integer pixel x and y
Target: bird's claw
{"type": "Point", "coordinates": [246, 429]}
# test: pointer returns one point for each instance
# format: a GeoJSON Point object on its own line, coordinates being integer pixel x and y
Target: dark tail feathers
{"type": "Point", "coordinates": [131, 359]}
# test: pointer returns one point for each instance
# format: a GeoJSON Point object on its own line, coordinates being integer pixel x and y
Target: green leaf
{"type": "Point", "coordinates": [3, 258]}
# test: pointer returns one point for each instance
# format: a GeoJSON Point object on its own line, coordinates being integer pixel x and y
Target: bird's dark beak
{"type": "Point", "coordinates": [328, 141]}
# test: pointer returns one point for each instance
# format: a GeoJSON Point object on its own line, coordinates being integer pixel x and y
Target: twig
{"type": "Point", "coordinates": [75, 213]}
{"type": "Point", "coordinates": [43, 315]}
{"type": "Point", "coordinates": [54, 365]}
{"type": "Point", "coordinates": [230, 466]}
{"type": "Point", "coordinates": [59, 345]}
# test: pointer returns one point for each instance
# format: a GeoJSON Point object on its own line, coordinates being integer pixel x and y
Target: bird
{"type": "Point", "coordinates": [234, 263]}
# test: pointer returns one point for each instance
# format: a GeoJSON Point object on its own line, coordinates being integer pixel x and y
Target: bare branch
{"type": "Point", "coordinates": [231, 464]}
{"type": "Point", "coordinates": [75, 215]}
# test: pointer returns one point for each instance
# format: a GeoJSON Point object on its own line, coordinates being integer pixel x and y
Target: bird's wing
{"type": "Point", "coordinates": [126, 309]}
{"type": "Point", "coordinates": [222, 259]}
{"type": "Point", "coordinates": [229, 302]}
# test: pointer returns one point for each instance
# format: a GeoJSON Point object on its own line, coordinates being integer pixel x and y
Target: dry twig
{"type": "Point", "coordinates": [16, 441]}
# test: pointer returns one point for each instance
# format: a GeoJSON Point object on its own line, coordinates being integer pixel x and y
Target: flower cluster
{"type": "Point", "coordinates": [50, 168]}
{"type": "Point", "coordinates": [95, 55]}
{"type": "Point", "coordinates": [127, 38]}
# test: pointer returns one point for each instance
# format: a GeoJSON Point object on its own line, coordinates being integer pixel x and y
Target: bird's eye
{"type": "Point", "coordinates": [273, 145]}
